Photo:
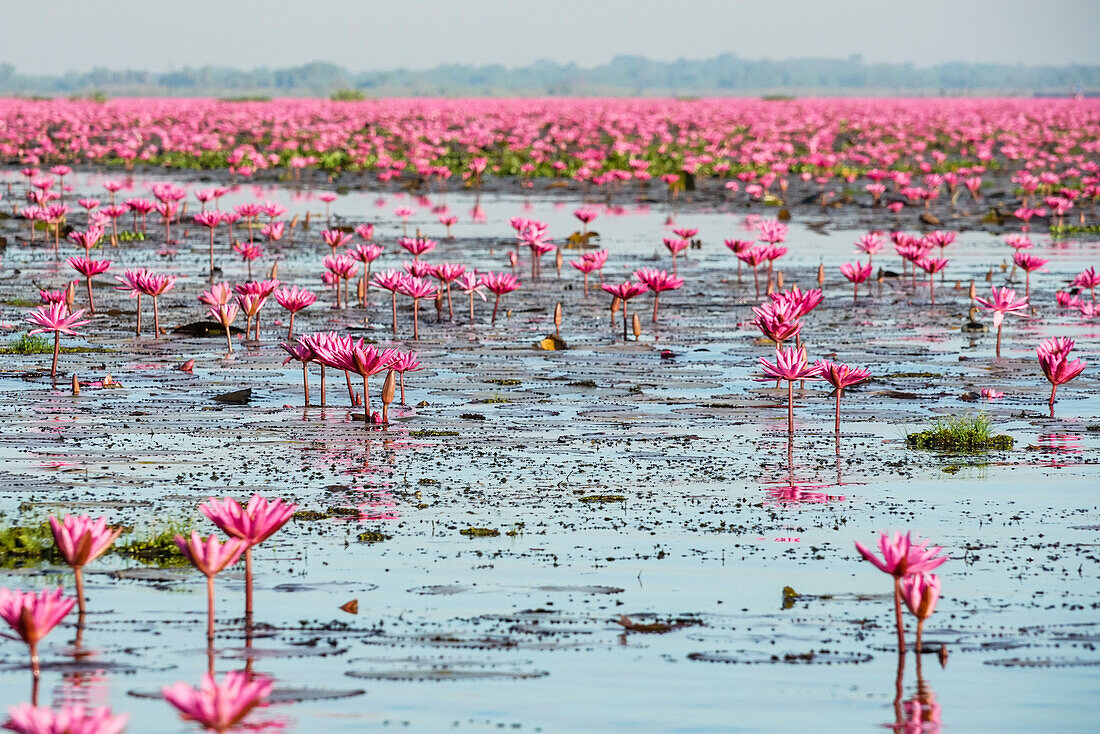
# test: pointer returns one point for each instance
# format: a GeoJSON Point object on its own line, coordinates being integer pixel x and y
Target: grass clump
{"type": "Point", "coordinates": [347, 95]}
{"type": "Point", "coordinates": [34, 344]}
{"type": "Point", "coordinates": [373, 536]}
{"type": "Point", "coordinates": [480, 532]}
{"type": "Point", "coordinates": [959, 433]}
{"type": "Point", "coordinates": [26, 545]}
{"type": "Point", "coordinates": [156, 548]}
{"type": "Point", "coordinates": [29, 344]}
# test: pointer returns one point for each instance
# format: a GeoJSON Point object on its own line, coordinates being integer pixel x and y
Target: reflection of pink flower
{"type": "Point", "coordinates": [28, 719]}
{"type": "Point", "coordinates": [219, 706]}
{"type": "Point", "coordinates": [793, 494]}
{"type": "Point", "coordinates": [991, 394]}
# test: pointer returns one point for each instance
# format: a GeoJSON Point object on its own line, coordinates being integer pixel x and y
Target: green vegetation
{"type": "Point", "coordinates": [373, 536]}
{"type": "Point", "coordinates": [25, 545]}
{"type": "Point", "coordinates": [331, 512]}
{"type": "Point", "coordinates": [31, 544]}
{"type": "Point", "coordinates": [347, 95]}
{"type": "Point", "coordinates": [959, 433]}
{"type": "Point", "coordinates": [29, 344]}
{"type": "Point", "coordinates": [35, 344]}
{"type": "Point", "coordinates": [603, 498]}
{"type": "Point", "coordinates": [156, 548]}
{"type": "Point", "coordinates": [1060, 230]}
{"type": "Point", "coordinates": [480, 532]}
{"type": "Point", "coordinates": [429, 433]}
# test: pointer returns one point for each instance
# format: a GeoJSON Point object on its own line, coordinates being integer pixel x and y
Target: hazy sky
{"type": "Point", "coordinates": [158, 35]}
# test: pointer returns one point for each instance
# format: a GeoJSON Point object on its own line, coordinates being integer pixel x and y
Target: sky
{"type": "Point", "coordinates": [367, 35]}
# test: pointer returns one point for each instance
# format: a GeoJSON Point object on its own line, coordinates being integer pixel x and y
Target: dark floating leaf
{"type": "Point", "coordinates": [236, 397]}
{"type": "Point", "coordinates": [444, 589]}
{"type": "Point", "coordinates": [299, 651]}
{"type": "Point", "coordinates": [552, 343]}
{"type": "Point", "coordinates": [205, 329]}
{"type": "Point", "coordinates": [1042, 663]}
{"type": "Point", "coordinates": [749, 657]}
{"type": "Point", "coordinates": [416, 669]}
{"type": "Point", "coordinates": [278, 695]}
{"type": "Point", "coordinates": [156, 575]}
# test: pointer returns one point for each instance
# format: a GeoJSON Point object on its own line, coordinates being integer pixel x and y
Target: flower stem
{"type": "Point", "coordinates": [79, 573]}
{"type": "Point", "coordinates": [897, 616]}
{"type": "Point", "coordinates": [790, 407]}
{"type": "Point", "coordinates": [209, 609]}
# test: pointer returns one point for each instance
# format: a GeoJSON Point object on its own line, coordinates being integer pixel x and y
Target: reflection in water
{"type": "Point", "coordinates": [793, 490]}
{"type": "Point", "coordinates": [84, 687]}
{"type": "Point", "coordinates": [1059, 447]}
{"type": "Point", "coordinates": [920, 713]}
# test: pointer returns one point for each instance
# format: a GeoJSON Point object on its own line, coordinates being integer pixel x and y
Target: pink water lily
{"type": "Point", "coordinates": [1056, 365]}
{"type": "Point", "coordinates": [624, 292]}
{"type": "Point", "coordinates": [841, 376]}
{"type": "Point", "coordinates": [55, 318]}
{"type": "Point", "coordinates": [210, 557]}
{"type": "Point", "coordinates": [903, 556]}
{"type": "Point", "coordinates": [1002, 303]}
{"type": "Point", "coordinates": [253, 524]}
{"type": "Point", "coordinates": [857, 273]}
{"type": "Point", "coordinates": [81, 540]}
{"type": "Point", "coordinates": [790, 364]}
{"type": "Point", "coordinates": [33, 616]}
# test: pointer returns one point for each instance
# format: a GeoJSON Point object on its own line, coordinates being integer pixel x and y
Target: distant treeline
{"type": "Point", "coordinates": [624, 75]}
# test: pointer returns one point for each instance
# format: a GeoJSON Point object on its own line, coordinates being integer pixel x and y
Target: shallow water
{"type": "Point", "coordinates": [720, 511]}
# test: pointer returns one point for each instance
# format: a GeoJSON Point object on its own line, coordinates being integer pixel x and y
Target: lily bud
{"type": "Point", "coordinates": [76, 386]}
{"type": "Point", "coordinates": [70, 294]}
{"type": "Point", "coordinates": [779, 280]}
{"type": "Point", "coordinates": [388, 388]}
{"type": "Point", "coordinates": [273, 274]}
{"type": "Point", "coordinates": [557, 314]}
{"type": "Point", "coordinates": [636, 323]}
{"type": "Point", "coordinates": [821, 274]}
